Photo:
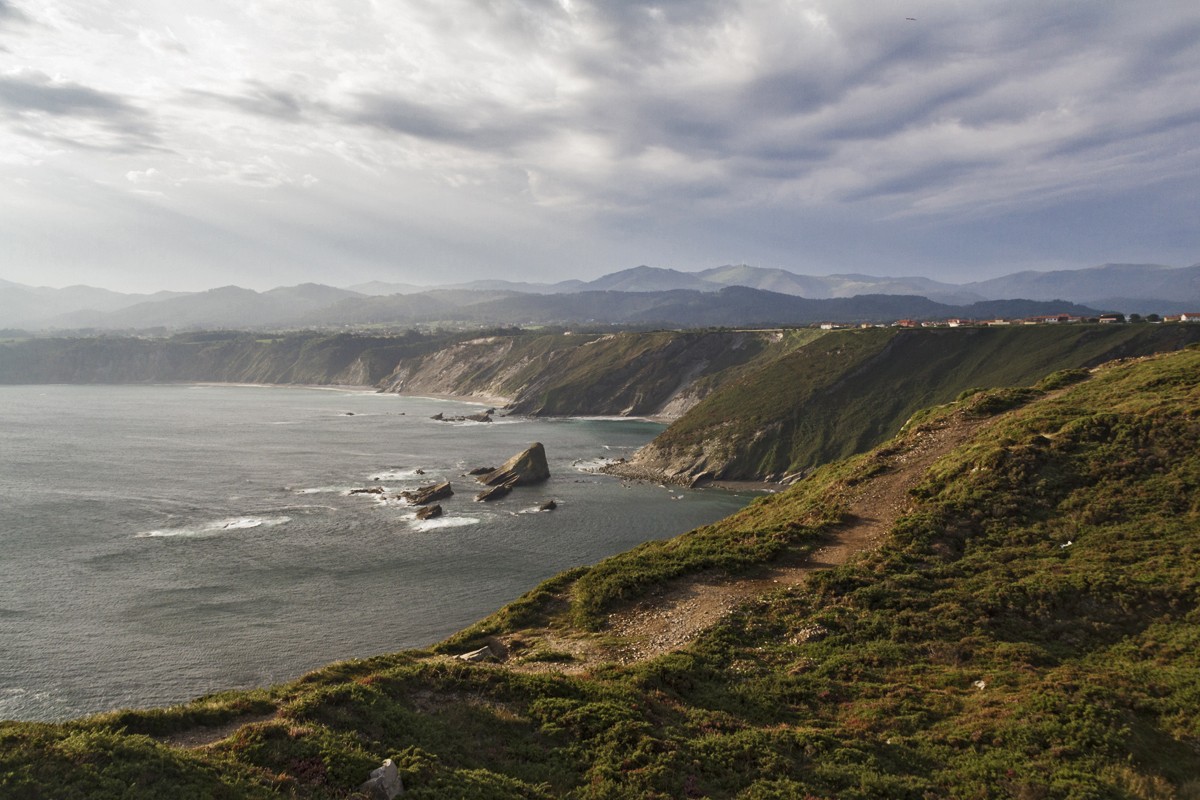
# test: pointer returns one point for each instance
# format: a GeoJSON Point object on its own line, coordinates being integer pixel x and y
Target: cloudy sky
{"type": "Point", "coordinates": [151, 144]}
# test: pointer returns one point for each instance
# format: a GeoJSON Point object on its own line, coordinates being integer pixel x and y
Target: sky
{"type": "Point", "coordinates": [162, 144]}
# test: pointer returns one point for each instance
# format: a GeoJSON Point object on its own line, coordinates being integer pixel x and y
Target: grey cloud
{"type": "Point", "coordinates": [123, 126]}
{"type": "Point", "coordinates": [485, 125]}
{"type": "Point", "coordinates": [261, 100]}
{"type": "Point", "coordinates": [922, 179]}
{"type": "Point", "coordinates": [9, 12]}
{"type": "Point", "coordinates": [1130, 131]}
{"type": "Point", "coordinates": [38, 93]}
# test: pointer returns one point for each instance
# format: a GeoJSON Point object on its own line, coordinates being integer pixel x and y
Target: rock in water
{"type": "Point", "coordinates": [429, 512]}
{"type": "Point", "coordinates": [481, 470]}
{"type": "Point", "coordinates": [384, 783]}
{"type": "Point", "coordinates": [523, 469]}
{"type": "Point", "coordinates": [486, 416]}
{"type": "Point", "coordinates": [427, 494]}
{"type": "Point", "coordinates": [495, 493]}
{"type": "Point", "coordinates": [549, 505]}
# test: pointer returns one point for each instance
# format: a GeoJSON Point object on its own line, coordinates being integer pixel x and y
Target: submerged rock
{"type": "Point", "coordinates": [549, 505]}
{"type": "Point", "coordinates": [481, 470]}
{"type": "Point", "coordinates": [485, 416]}
{"type": "Point", "coordinates": [495, 493]}
{"type": "Point", "coordinates": [368, 490]}
{"type": "Point", "coordinates": [427, 494]}
{"type": "Point", "coordinates": [524, 469]}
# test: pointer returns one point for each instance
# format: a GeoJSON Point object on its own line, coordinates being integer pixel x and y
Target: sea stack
{"type": "Point", "coordinates": [524, 469]}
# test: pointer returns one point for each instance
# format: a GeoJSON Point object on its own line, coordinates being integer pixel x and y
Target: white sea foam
{"type": "Point", "coordinates": [591, 464]}
{"type": "Point", "coordinates": [397, 475]}
{"type": "Point", "coordinates": [322, 490]}
{"type": "Point", "coordinates": [441, 522]}
{"type": "Point", "coordinates": [216, 527]}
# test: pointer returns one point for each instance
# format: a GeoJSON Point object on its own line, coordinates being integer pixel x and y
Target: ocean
{"type": "Point", "coordinates": [161, 542]}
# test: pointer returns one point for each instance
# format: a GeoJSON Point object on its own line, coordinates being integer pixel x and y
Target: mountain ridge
{"type": "Point", "coordinates": [1130, 288]}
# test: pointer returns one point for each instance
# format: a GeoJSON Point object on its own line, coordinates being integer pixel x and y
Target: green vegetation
{"type": "Point", "coordinates": [851, 390]}
{"type": "Point", "coordinates": [1030, 629]}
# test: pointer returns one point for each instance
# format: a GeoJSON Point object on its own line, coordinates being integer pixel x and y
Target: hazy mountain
{"type": "Point", "coordinates": [524, 288]}
{"type": "Point", "coordinates": [827, 286]}
{"type": "Point", "coordinates": [309, 296]}
{"type": "Point", "coordinates": [640, 295]}
{"type": "Point", "coordinates": [1139, 288]}
{"type": "Point", "coordinates": [731, 306]}
{"type": "Point", "coordinates": [36, 306]}
{"type": "Point", "coordinates": [228, 306]}
{"type": "Point", "coordinates": [379, 288]}
{"type": "Point", "coordinates": [650, 279]}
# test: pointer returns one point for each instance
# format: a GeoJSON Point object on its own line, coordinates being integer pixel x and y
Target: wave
{"type": "Point", "coordinates": [441, 522]}
{"type": "Point", "coordinates": [591, 465]}
{"type": "Point", "coordinates": [397, 475]}
{"type": "Point", "coordinates": [321, 490]}
{"type": "Point", "coordinates": [215, 528]}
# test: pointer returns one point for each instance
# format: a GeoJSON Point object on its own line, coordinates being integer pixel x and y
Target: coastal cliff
{"type": "Point", "coordinates": [850, 390]}
{"type": "Point", "coordinates": [661, 373]}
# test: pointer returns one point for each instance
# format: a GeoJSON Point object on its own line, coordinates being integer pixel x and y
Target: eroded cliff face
{"type": "Point", "coordinates": [659, 374]}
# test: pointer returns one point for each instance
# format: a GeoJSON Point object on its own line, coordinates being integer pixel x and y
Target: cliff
{"type": "Point", "coordinates": [850, 390]}
{"type": "Point", "coordinates": [660, 373]}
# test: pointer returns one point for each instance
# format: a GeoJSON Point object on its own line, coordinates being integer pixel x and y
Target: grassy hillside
{"type": "Point", "coordinates": [850, 390]}
{"type": "Point", "coordinates": [1029, 628]}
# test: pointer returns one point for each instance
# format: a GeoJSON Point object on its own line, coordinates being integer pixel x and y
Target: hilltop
{"type": "Point", "coordinates": [1016, 617]}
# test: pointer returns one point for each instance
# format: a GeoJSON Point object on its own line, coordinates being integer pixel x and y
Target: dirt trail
{"type": "Point", "coordinates": [206, 735]}
{"type": "Point", "coordinates": [673, 616]}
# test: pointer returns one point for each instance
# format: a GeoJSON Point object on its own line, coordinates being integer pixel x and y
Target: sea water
{"type": "Point", "coordinates": [161, 542]}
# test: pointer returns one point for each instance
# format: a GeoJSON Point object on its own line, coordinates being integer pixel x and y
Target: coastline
{"type": "Point", "coordinates": [475, 399]}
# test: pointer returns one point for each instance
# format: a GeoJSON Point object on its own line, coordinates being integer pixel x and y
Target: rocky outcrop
{"type": "Point", "coordinates": [427, 494]}
{"type": "Point", "coordinates": [384, 783]}
{"type": "Point", "coordinates": [494, 493]}
{"type": "Point", "coordinates": [524, 469]}
{"type": "Point", "coordinates": [429, 512]}
{"type": "Point", "coordinates": [483, 416]}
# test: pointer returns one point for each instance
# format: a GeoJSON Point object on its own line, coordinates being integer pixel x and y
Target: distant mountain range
{"type": "Point", "coordinates": [728, 295]}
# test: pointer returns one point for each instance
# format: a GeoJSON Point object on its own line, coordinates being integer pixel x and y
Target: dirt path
{"type": "Point", "coordinates": [204, 736]}
{"type": "Point", "coordinates": [673, 616]}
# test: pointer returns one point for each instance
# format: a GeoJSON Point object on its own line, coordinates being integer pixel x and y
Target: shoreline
{"type": "Point", "coordinates": [358, 388]}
